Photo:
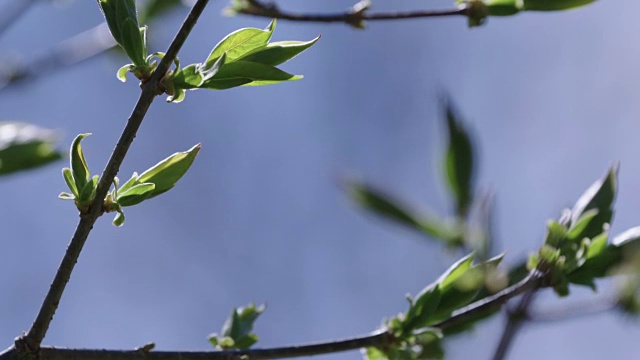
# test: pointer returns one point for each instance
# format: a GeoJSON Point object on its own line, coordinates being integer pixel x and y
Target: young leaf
{"type": "Point", "coordinates": [459, 161]}
{"type": "Point", "coordinates": [236, 331]}
{"type": "Point", "coordinates": [279, 52]}
{"type": "Point", "coordinates": [88, 192]}
{"type": "Point", "coordinates": [133, 43]}
{"type": "Point", "coordinates": [78, 163]}
{"type": "Point", "coordinates": [422, 309]}
{"type": "Point", "coordinates": [241, 42]}
{"type": "Point", "coordinates": [553, 5]}
{"type": "Point", "coordinates": [71, 183]}
{"type": "Point", "coordinates": [188, 78]}
{"type": "Point", "coordinates": [135, 194]}
{"type": "Point", "coordinates": [599, 196]}
{"type": "Point", "coordinates": [167, 172]}
{"type": "Point", "coordinates": [258, 74]}
{"type": "Point", "coordinates": [503, 7]}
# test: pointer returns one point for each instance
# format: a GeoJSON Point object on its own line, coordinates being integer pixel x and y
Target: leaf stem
{"type": "Point", "coordinates": [32, 340]}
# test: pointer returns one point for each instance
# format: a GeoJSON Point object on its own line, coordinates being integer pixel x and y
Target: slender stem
{"type": "Point", "coordinates": [514, 322]}
{"type": "Point", "coordinates": [38, 330]}
{"type": "Point", "coordinates": [268, 10]}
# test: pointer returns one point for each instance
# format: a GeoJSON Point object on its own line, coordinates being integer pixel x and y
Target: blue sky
{"type": "Point", "coordinates": [261, 216]}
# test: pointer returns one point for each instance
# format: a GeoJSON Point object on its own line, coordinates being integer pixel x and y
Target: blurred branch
{"type": "Point", "coordinates": [514, 321]}
{"type": "Point", "coordinates": [70, 52]}
{"type": "Point", "coordinates": [354, 16]}
{"type": "Point", "coordinates": [29, 344]}
{"type": "Point", "coordinates": [13, 12]}
{"type": "Point", "coordinates": [573, 310]}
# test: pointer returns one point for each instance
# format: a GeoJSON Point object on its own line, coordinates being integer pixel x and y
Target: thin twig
{"type": "Point", "coordinates": [31, 342]}
{"type": "Point", "coordinates": [355, 18]}
{"type": "Point", "coordinates": [514, 322]}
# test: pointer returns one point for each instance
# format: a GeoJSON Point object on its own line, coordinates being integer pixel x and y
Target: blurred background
{"type": "Point", "coordinates": [261, 216]}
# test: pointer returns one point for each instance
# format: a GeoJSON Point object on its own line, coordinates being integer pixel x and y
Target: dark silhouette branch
{"type": "Point", "coordinates": [381, 338]}
{"type": "Point", "coordinates": [355, 16]}
{"type": "Point", "coordinates": [515, 320]}
{"type": "Point", "coordinates": [32, 340]}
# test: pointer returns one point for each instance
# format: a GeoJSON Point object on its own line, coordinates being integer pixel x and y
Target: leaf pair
{"type": "Point", "coordinates": [153, 182]}
{"type": "Point", "coordinates": [243, 58]}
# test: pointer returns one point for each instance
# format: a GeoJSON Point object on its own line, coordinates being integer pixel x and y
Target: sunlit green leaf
{"type": "Point", "coordinates": [135, 194]}
{"type": "Point", "coordinates": [237, 330]}
{"type": "Point", "coordinates": [278, 52]}
{"type": "Point", "coordinates": [553, 5]}
{"type": "Point", "coordinates": [78, 163]}
{"type": "Point", "coordinates": [599, 196]}
{"type": "Point", "coordinates": [241, 42]}
{"type": "Point", "coordinates": [167, 172]}
{"type": "Point", "coordinates": [258, 74]}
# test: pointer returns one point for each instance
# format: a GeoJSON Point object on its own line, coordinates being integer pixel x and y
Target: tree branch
{"type": "Point", "coordinates": [31, 342]}
{"type": "Point", "coordinates": [514, 322]}
{"type": "Point", "coordinates": [355, 16]}
{"type": "Point", "coordinates": [381, 338]}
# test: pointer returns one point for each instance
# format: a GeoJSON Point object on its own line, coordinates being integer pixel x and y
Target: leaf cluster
{"type": "Point", "coordinates": [151, 183]}
{"type": "Point", "coordinates": [243, 58]}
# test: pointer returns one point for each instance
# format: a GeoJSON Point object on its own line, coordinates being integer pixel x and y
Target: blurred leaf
{"type": "Point", "coordinates": [239, 71]}
{"type": "Point", "coordinates": [382, 204]}
{"type": "Point", "coordinates": [155, 8]}
{"type": "Point", "coordinates": [25, 146]}
{"type": "Point", "coordinates": [503, 7]}
{"type": "Point", "coordinates": [459, 161]}
{"type": "Point", "coordinates": [236, 331]}
{"type": "Point", "coordinates": [581, 225]}
{"type": "Point", "coordinates": [600, 196]}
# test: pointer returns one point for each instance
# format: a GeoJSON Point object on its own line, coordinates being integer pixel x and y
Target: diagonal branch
{"type": "Point", "coordinates": [31, 341]}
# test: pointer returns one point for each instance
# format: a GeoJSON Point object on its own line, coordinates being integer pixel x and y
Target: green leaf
{"type": "Point", "coordinates": [209, 69]}
{"type": "Point", "coordinates": [119, 219]}
{"type": "Point", "coordinates": [459, 162]}
{"type": "Point", "coordinates": [553, 5]}
{"type": "Point", "coordinates": [67, 174]}
{"type": "Point", "coordinates": [167, 172]}
{"type": "Point", "coordinates": [421, 309]}
{"type": "Point", "coordinates": [108, 8]}
{"type": "Point", "coordinates": [372, 353]}
{"type": "Point", "coordinates": [134, 180]}
{"type": "Point", "coordinates": [577, 229]}
{"type": "Point", "coordinates": [503, 7]}
{"type": "Point", "coordinates": [188, 78]}
{"type": "Point", "coordinates": [600, 196]}
{"type": "Point", "coordinates": [556, 234]}
{"type": "Point", "coordinates": [88, 192]}
{"type": "Point", "coordinates": [24, 146]}
{"type": "Point", "coordinates": [122, 72]}
{"type": "Point", "coordinates": [237, 330]}
{"type": "Point", "coordinates": [135, 194]}
{"type": "Point", "coordinates": [240, 71]}
{"type": "Point", "coordinates": [279, 52]}
{"type": "Point", "coordinates": [78, 163]}
{"type": "Point", "coordinates": [241, 42]}
{"type": "Point", "coordinates": [132, 42]}
{"type": "Point", "coordinates": [382, 204]}
{"type": "Point", "coordinates": [66, 196]}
